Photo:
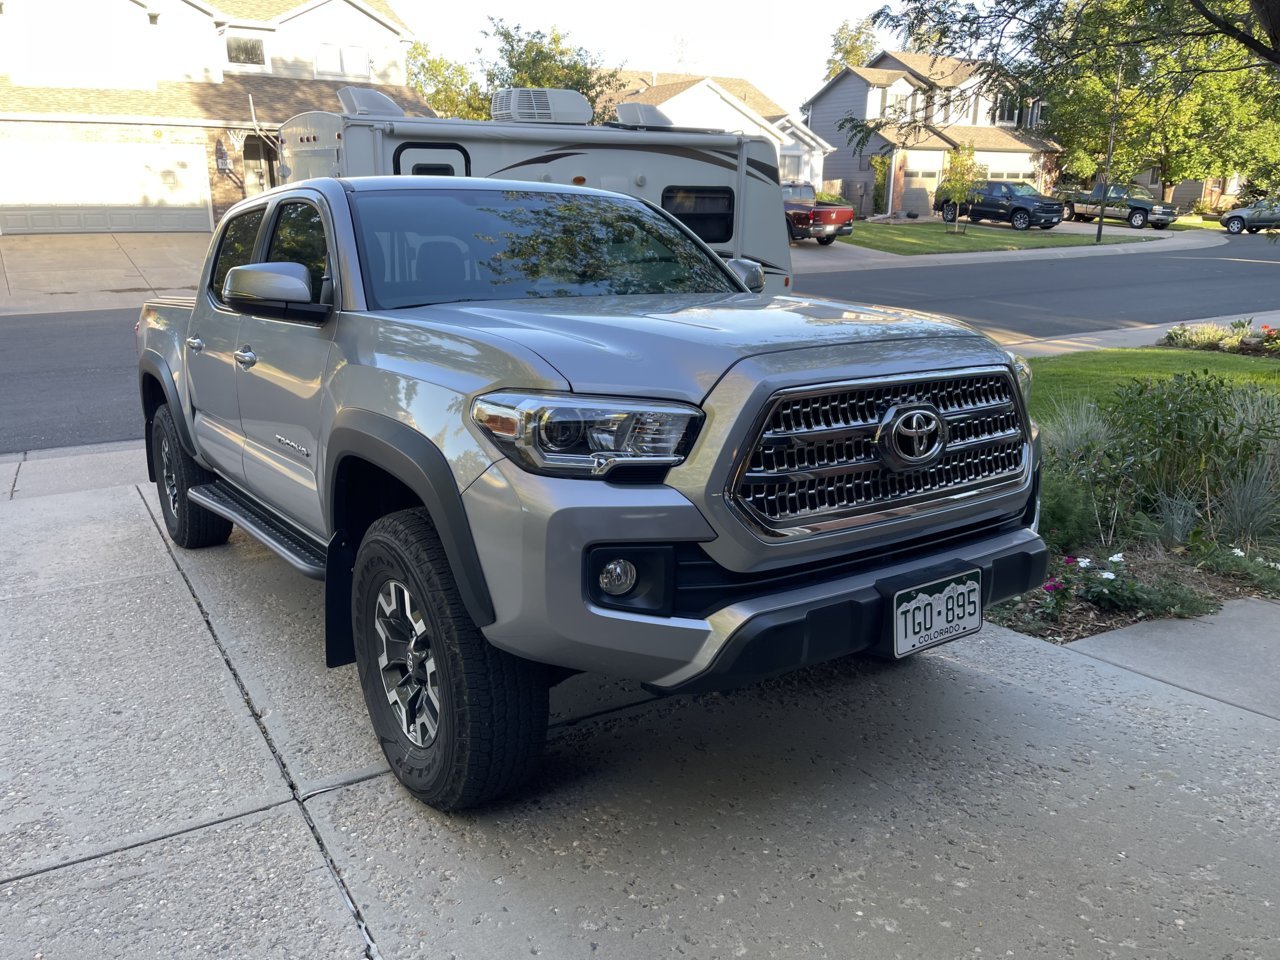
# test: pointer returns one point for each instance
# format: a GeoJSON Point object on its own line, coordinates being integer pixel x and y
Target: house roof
{"type": "Point", "coordinates": [638, 81]}
{"type": "Point", "coordinates": [884, 78]}
{"type": "Point", "coordinates": [938, 70]}
{"type": "Point", "coordinates": [661, 93]}
{"type": "Point", "coordinates": [275, 99]}
{"type": "Point", "coordinates": [920, 138]}
{"type": "Point", "coordinates": [266, 10]}
{"type": "Point", "coordinates": [997, 139]}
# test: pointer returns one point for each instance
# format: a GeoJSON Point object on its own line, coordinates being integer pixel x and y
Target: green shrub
{"type": "Point", "coordinates": [1066, 511]}
{"type": "Point", "coordinates": [831, 197]}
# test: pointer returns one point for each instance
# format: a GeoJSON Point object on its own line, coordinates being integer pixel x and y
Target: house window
{"type": "Point", "coordinates": [342, 61]}
{"type": "Point", "coordinates": [245, 51]}
{"type": "Point", "coordinates": [790, 164]}
{"type": "Point", "coordinates": [864, 162]}
{"type": "Point", "coordinates": [1155, 177]}
{"type": "Point", "coordinates": [707, 211]}
{"type": "Point", "coordinates": [1007, 110]}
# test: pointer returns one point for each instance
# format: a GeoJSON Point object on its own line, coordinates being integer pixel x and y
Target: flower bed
{"type": "Point", "coordinates": [1239, 337]}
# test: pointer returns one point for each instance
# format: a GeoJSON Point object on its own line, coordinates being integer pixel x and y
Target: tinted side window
{"type": "Point", "coordinates": [236, 248]}
{"type": "Point", "coordinates": [707, 211]}
{"type": "Point", "coordinates": [299, 238]}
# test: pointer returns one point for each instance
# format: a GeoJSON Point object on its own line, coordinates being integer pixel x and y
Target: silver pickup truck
{"type": "Point", "coordinates": [522, 431]}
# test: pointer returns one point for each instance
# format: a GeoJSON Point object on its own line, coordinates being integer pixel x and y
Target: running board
{"type": "Point", "coordinates": [307, 557]}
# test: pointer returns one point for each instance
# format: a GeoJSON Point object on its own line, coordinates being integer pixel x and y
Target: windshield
{"type": "Point", "coordinates": [1022, 190]}
{"type": "Point", "coordinates": [421, 247]}
{"type": "Point", "coordinates": [1140, 193]}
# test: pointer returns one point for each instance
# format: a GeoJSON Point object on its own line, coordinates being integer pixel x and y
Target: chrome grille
{"type": "Point", "coordinates": [817, 459]}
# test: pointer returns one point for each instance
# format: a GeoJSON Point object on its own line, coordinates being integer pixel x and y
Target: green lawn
{"type": "Point", "coordinates": [1096, 373]}
{"type": "Point", "coordinates": [932, 237]}
{"type": "Point", "coordinates": [1193, 222]}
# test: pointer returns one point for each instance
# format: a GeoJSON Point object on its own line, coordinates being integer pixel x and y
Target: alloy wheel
{"type": "Point", "coordinates": [407, 663]}
{"type": "Point", "coordinates": [169, 476]}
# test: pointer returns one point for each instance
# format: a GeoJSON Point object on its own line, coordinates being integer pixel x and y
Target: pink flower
{"type": "Point", "coordinates": [1052, 584]}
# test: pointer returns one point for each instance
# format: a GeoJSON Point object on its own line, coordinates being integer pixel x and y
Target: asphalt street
{"type": "Point", "coordinates": [1070, 296]}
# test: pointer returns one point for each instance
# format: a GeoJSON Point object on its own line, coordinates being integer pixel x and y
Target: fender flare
{"type": "Point", "coordinates": [153, 364]}
{"type": "Point", "coordinates": [416, 462]}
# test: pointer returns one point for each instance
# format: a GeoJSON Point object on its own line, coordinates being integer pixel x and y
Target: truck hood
{"type": "Point", "coordinates": [678, 346]}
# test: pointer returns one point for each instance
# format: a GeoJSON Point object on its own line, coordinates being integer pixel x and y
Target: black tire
{"type": "Point", "coordinates": [1068, 212]}
{"type": "Point", "coordinates": [949, 212]}
{"type": "Point", "coordinates": [1253, 229]}
{"type": "Point", "coordinates": [189, 525]}
{"type": "Point", "coordinates": [1235, 225]}
{"type": "Point", "coordinates": [1159, 226]}
{"type": "Point", "coordinates": [1137, 218]}
{"type": "Point", "coordinates": [1047, 226]}
{"type": "Point", "coordinates": [1020, 220]}
{"type": "Point", "coordinates": [826, 241]}
{"type": "Point", "coordinates": [974, 218]}
{"type": "Point", "coordinates": [489, 708]}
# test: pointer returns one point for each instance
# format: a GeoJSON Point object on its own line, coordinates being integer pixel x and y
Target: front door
{"type": "Point", "coordinates": [211, 340]}
{"type": "Point", "coordinates": [281, 391]}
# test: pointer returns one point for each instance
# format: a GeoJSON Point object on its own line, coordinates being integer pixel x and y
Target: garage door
{"type": "Point", "coordinates": [58, 183]}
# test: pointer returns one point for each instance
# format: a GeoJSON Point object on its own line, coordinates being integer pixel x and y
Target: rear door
{"type": "Point", "coordinates": [282, 391]}
{"type": "Point", "coordinates": [211, 342]}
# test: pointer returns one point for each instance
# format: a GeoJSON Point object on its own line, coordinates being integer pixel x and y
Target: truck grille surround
{"type": "Point", "coordinates": [818, 461]}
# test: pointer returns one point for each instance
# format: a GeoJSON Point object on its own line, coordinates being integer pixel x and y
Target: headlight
{"type": "Point", "coordinates": [1023, 370]}
{"type": "Point", "coordinates": [568, 435]}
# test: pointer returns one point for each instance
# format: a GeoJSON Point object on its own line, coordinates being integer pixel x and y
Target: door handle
{"type": "Point", "coordinates": [195, 344]}
{"type": "Point", "coordinates": [245, 357]}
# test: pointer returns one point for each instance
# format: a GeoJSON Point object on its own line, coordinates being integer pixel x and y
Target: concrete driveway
{"type": "Point", "coordinates": [181, 777]}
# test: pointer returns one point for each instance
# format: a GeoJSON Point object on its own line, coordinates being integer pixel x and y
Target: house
{"type": "Point", "coordinates": [160, 114]}
{"type": "Point", "coordinates": [941, 94]}
{"type": "Point", "coordinates": [730, 103]}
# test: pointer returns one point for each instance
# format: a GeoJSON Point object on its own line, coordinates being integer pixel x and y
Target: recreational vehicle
{"type": "Point", "coordinates": [722, 186]}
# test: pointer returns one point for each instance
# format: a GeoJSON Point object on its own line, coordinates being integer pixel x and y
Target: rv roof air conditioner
{"type": "Point", "coordinates": [361, 101]}
{"type": "Point", "coordinates": [642, 115]}
{"type": "Point", "coordinates": [537, 105]}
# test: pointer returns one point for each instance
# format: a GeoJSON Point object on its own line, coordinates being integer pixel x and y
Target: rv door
{"type": "Point", "coordinates": [422, 159]}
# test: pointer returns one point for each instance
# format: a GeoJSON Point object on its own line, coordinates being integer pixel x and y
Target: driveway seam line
{"type": "Point", "coordinates": [371, 948]}
{"type": "Point", "coordinates": [90, 857]}
{"type": "Point", "coordinates": [116, 240]}
{"type": "Point", "coordinates": [1176, 686]}
{"type": "Point", "coordinates": [13, 487]}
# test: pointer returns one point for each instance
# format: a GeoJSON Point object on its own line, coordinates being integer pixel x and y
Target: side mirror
{"type": "Point", "coordinates": [749, 272]}
{"type": "Point", "coordinates": [281, 290]}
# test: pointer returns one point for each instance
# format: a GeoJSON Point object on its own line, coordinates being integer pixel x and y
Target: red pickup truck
{"type": "Point", "coordinates": [807, 216]}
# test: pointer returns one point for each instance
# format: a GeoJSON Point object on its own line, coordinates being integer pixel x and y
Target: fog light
{"type": "Point", "coordinates": [618, 577]}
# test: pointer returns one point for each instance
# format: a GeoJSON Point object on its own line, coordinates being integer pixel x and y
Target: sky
{"type": "Point", "coordinates": [784, 58]}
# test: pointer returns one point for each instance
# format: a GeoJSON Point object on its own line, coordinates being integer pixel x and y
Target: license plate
{"type": "Point", "coordinates": [936, 612]}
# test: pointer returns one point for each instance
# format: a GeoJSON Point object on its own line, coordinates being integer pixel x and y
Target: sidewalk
{"type": "Point", "coordinates": [183, 777]}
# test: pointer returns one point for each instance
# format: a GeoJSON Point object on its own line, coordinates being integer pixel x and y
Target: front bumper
{"type": "Point", "coordinates": [533, 532]}
{"type": "Point", "coordinates": [1165, 218]}
{"type": "Point", "coordinates": [1046, 216]}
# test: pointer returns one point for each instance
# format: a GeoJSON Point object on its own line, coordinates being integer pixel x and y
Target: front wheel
{"type": "Point", "coordinates": [1137, 219]}
{"type": "Point", "coordinates": [1234, 225]}
{"type": "Point", "coordinates": [189, 524]}
{"type": "Point", "coordinates": [1068, 212]}
{"type": "Point", "coordinates": [826, 241]}
{"type": "Point", "coordinates": [949, 212]}
{"type": "Point", "coordinates": [459, 720]}
{"type": "Point", "coordinates": [1021, 220]}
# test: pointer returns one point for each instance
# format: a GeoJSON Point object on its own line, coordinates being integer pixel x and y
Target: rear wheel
{"type": "Point", "coordinates": [1234, 225]}
{"type": "Point", "coordinates": [826, 240]}
{"type": "Point", "coordinates": [189, 525]}
{"type": "Point", "coordinates": [459, 720]}
{"type": "Point", "coordinates": [1137, 219]}
{"type": "Point", "coordinates": [1047, 226]}
{"type": "Point", "coordinates": [1253, 229]}
{"type": "Point", "coordinates": [1158, 226]}
{"type": "Point", "coordinates": [974, 218]}
{"type": "Point", "coordinates": [1020, 219]}
{"type": "Point", "coordinates": [1068, 212]}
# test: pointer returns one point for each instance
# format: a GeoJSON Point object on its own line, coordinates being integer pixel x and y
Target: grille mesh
{"type": "Point", "coordinates": [816, 457]}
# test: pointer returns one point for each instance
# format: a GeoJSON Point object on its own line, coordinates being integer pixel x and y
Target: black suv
{"type": "Point", "coordinates": [1010, 200]}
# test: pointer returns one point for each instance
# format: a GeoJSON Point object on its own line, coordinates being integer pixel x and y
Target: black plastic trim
{"type": "Point", "coordinates": [151, 363]}
{"type": "Point", "coordinates": [417, 463]}
{"type": "Point", "coordinates": [780, 641]}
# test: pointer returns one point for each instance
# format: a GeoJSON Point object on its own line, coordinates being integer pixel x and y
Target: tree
{"type": "Point", "coordinates": [960, 182]}
{"type": "Point", "coordinates": [446, 85]}
{"type": "Point", "coordinates": [534, 59]}
{"type": "Point", "coordinates": [851, 46]}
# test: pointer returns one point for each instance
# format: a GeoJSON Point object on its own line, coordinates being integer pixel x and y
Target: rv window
{"type": "Point", "coordinates": [236, 248]}
{"type": "Point", "coordinates": [433, 170]}
{"type": "Point", "coordinates": [707, 211]}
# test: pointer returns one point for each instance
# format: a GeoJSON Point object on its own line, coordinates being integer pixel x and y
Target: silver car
{"type": "Point", "coordinates": [1257, 216]}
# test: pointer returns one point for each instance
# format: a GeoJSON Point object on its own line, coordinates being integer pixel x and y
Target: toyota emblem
{"type": "Point", "coordinates": [912, 437]}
